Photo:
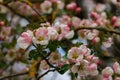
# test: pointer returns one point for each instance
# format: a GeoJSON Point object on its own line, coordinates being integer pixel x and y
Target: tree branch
{"type": "Point", "coordinates": [99, 29]}
{"type": "Point", "coordinates": [14, 11]}
{"type": "Point", "coordinates": [45, 58]}
{"type": "Point", "coordinates": [45, 74]}
{"type": "Point", "coordinates": [10, 76]}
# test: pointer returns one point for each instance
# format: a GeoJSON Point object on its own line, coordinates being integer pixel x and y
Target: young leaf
{"type": "Point", "coordinates": [64, 68]}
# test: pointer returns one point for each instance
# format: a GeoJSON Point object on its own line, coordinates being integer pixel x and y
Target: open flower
{"type": "Point", "coordinates": [75, 22]}
{"type": "Point", "coordinates": [108, 42]}
{"type": "Point", "coordinates": [46, 7]}
{"type": "Point", "coordinates": [64, 31]}
{"type": "Point", "coordinates": [52, 33]}
{"type": "Point", "coordinates": [84, 50]}
{"type": "Point", "coordinates": [108, 71]}
{"type": "Point", "coordinates": [55, 57]}
{"type": "Point", "coordinates": [81, 68]}
{"type": "Point", "coordinates": [25, 39]}
{"type": "Point", "coordinates": [41, 36]}
{"type": "Point", "coordinates": [74, 54]}
{"type": "Point", "coordinates": [44, 65]}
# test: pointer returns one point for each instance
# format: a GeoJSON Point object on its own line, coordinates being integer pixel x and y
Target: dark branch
{"type": "Point", "coordinates": [45, 74]}
{"type": "Point", "coordinates": [15, 12]}
{"type": "Point", "coordinates": [15, 75]}
{"type": "Point", "coordinates": [99, 29]}
{"type": "Point", "coordinates": [45, 58]}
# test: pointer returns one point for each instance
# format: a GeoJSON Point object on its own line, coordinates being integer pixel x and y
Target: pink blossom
{"type": "Point", "coordinates": [71, 6]}
{"type": "Point", "coordinates": [55, 57]}
{"type": "Point", "coordinates": [25, 39]}
{"type": "Point", "coordinates": [100, 7]}
{"type": "Point", "coordinates": [74, 54]}
{"type": "Point", "coordinates": [114, 19]}
{"type": "Point", "coordinates": [75, 22]}
{"type": "Point", "coordinates": [116, 68]}
{"type": "Point", "coordinates": [52, 33]}
{"type": "Point", "coordinates": [44, 65]}
{"type": "Point", "coordinates": [108, 71]}
{"type": "Point", "coordinates": [78, 9]}
{"type": "Point", "coordinates": [46, 7]}
{"type": "Point", "coordinates": [41, 36]}
{"type": "Point", "coordinates": [108, 42]}
{"type": "Point", "coordinates": [84, 50]}
{"type": "Point", "coordinates": [117, 78]}
{"type": "Point", "coordinates": [1, 23]}
{"type": "Point", "coordinates": [60, 5]}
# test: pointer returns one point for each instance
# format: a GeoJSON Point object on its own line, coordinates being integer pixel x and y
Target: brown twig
{"type": "Point", "coordinates": [45, 58]}
{"type": "Point", "coordinates": [45, 73]}
{"type": "Point", "coordinates": [14, 11]}
{"type": "Point", "coordinates": [99, 29]}
{"type": "Point", "coordinates": [15, 75]}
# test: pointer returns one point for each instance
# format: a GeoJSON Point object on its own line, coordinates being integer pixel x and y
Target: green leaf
{"type": "Point", "coordinates": [2, 17]}
{"type": "Point", "coordinates": [78, 44]}
{"type": "Point", "coordinates": [34, 54]}
{"type": "Point", "coordinates": [3, 64]}
{"type": "Point", "coordinates": [64, 68]}
{"type": "Point", "coordinates": [19, 29]}
{"type": "Point", "coordinates": [33, 26]}
{"type": "Point", "coordinates": [53, 45]}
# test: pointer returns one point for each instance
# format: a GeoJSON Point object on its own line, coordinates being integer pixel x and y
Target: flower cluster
{"type": "Point", "coordinates": [84, 63]}
{"type": "Point", "coordinates": [109, 73]}
{"type": "Point", "coordinates": [44, 34]}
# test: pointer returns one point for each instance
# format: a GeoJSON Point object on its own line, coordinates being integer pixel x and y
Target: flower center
{"type": "Point", "coordinates": [75, 55]}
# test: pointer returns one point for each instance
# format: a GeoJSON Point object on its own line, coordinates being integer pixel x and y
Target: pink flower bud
{"type": "Point", "coordinates": [74, 5]}
{"type": "Point", "coordinates": [114, 19]}
{"type": "Point", "coordinates": [117, 78]}
{"type": "Point", "coordinates": [118, 0]}
{"type": "Point", "coordinates": [1, 23]}
{"type": "Point", "coordinates": [78, 9]}
{"type": "Point", "coordinates": [69, 24]}
{"type": "Point", "coordinates": [93, 66]}
{"type": "Point", "coordinates": [53, 1]}
{"type": "Point", "coordinates": [71, 6]}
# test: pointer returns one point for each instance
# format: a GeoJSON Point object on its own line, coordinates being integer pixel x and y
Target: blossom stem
{"type": "Point", "coordinates": [99, 29]}
{"type": "Point", "coordinates": [45, 58]}
{"type": "Point", "coordinates": [15, 12]}
{"type": "Point", "coordinates": [45, 73]}
{"type": "Point", "coordinates": [10, 76]}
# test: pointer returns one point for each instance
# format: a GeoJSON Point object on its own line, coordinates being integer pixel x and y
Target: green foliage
{"type": "Point", "coordinates": [33, 54]}
{"type": "Point", "coordinates": [3, 65]}
{"type": "Point", "coordinates": [64, 68]}
{"type": "Point", "coordinates": [33, 26]}
{"type": "Point", "coordinates": [53, 45]}
{"type": "Point", "coordinates": [2, 17]}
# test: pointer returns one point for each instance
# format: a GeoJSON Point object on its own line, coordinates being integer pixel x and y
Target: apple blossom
{"type": "Point", "coordinates": [74, 54]}
{"type": "Point", "coordinates": [117, 78]}
{"type": "Point", "coordinates": [116, 68]}
{"type": "Point", "coordinates": [60, 5]}
{"type": "Point", "coordinates": [108, 71]}
{"type": "Point", "coordinates": [41, 36]}
{"type": "Point", "coordinates": [75, 22]}
{"type": "Point", "coordinates": [55, 57]}
{"type": "Point", "coordinates": [25, 39]}
{"type": "Point", "coordinates": [44, 65]}
{"type": "Point", "coordinates": [52, 33]}
{"type": "Point", "coordinates": [100, 7]}
{"type": "Point", "coordinates": [108, 42]}
{"type": "Point", "coordinates": [46, 7]}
